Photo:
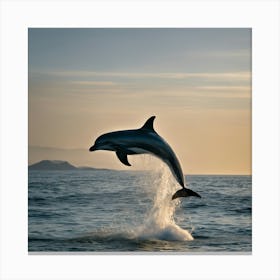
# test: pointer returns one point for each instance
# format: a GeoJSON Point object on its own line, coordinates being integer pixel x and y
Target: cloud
{"type": "Point", "coordinates": [94, 83]}
{"type": "Point", "coordinates": [158, 75]}
{"type": "Point", "coordinates": [223, 54]}
{"type": "Point", "coordinates": [225, 91]}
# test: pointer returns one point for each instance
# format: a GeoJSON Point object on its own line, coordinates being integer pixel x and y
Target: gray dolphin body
{"type": "Point", "coordinates": [144, 140]}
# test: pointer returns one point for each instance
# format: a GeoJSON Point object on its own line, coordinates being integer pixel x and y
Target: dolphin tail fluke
{"type": "Point", "coordinates": [184, 192]}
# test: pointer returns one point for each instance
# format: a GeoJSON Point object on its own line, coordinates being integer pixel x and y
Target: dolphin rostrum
{"type": "Point", "coordinates": [144, 140]}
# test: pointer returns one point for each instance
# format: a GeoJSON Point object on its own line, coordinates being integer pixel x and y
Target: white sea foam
{"type": "Point", "coordinates": [159, 222]}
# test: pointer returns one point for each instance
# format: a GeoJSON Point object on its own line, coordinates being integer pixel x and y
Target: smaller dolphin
{"type": "Point", "coordinates": [144, 140]}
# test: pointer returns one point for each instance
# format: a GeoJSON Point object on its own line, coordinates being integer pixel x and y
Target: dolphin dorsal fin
{"type": "Point", "coordinates": [149, 124]}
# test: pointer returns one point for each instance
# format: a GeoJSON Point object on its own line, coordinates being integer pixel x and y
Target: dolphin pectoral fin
{"type": "Point", "coordinates": [122, 156]}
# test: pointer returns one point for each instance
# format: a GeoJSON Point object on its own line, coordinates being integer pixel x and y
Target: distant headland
{"type": "Point", "coordinates": [58, 165]}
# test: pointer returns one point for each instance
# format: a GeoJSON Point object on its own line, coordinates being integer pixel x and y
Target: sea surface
{"type": "Point", "coordinates": [98, 211]}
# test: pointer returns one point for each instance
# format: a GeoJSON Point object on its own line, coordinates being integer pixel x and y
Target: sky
{"type": "Point", "coordinates": [197, 82]}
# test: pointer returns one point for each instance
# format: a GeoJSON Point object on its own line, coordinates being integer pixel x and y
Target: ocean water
{"type": "Point", "coordinates": [131, 211]}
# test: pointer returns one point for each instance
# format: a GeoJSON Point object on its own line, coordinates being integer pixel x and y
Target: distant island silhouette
{"type": "Point", "coordinates": [58, 165]}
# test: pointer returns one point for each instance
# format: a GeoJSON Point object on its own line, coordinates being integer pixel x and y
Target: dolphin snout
{"type": "Point", "coordinates": [92, 148]}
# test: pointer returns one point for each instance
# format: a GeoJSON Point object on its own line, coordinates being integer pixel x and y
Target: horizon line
{"type": "Point", "coordinates": [142, 170]}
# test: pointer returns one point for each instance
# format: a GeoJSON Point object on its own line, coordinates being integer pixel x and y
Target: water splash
{"type": "Point", "coordinates": [159, 222]}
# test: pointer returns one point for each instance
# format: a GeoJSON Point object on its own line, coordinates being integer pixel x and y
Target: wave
{"type": "Point", "coordinates": [159, 222]}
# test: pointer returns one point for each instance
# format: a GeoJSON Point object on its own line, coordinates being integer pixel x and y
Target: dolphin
{"type": "Point", "coordinates": [144, 140]}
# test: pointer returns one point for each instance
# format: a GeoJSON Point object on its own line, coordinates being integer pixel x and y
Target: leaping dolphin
{"type": "Point", "coordinates": [144, 140]}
